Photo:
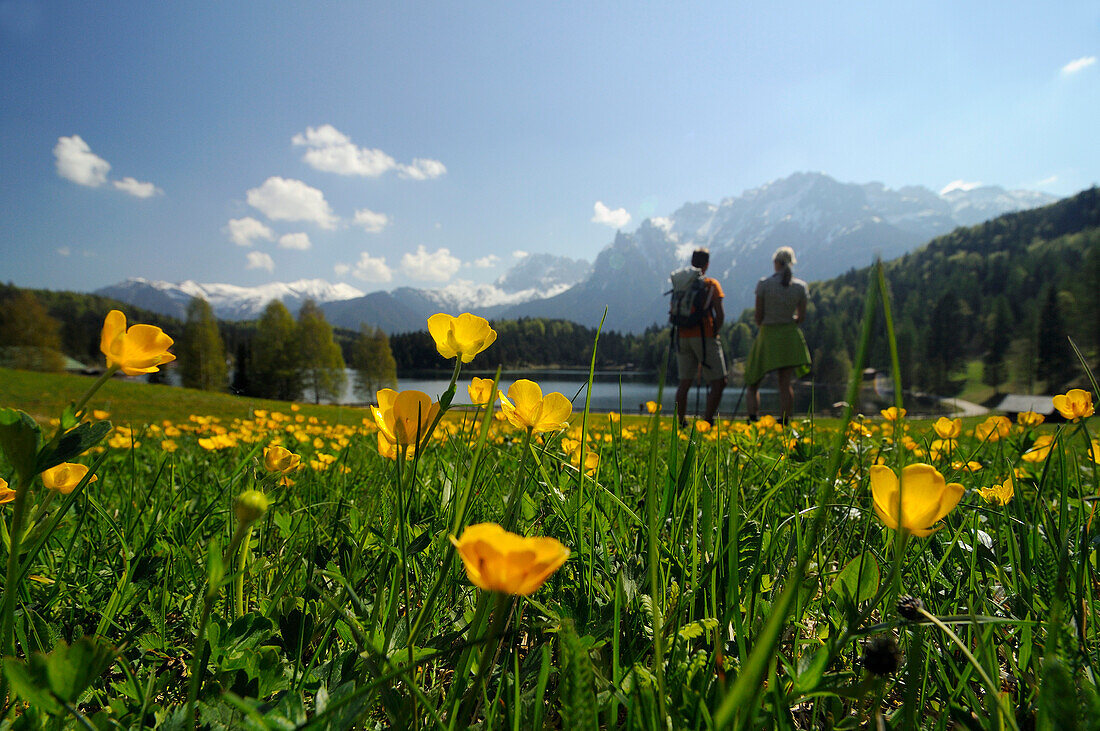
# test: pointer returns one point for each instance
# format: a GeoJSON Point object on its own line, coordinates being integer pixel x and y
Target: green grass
{"type": "Point", "coordinates": [737, 578]}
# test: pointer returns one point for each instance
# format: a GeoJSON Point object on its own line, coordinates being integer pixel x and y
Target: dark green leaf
{"type": "Point", "coordinates": [19, 438]}
{"type": "Point", "coordinates": [73, 443]}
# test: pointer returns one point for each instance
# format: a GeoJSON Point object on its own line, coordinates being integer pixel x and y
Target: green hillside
{"type": "Point", "coordinates": [1006, 293]}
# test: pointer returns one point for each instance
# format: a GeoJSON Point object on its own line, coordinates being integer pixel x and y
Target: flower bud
{"type": "Point", "coordinates": [909, 607]}
{"type": "Point", "coordinates": [881, 656]}
{"type": "Point", "coordinates": [250, 506]}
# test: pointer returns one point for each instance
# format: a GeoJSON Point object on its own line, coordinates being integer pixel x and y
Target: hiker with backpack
{"type": "Point", "coordinates": [779, 344]}
{"type": "Point", "coordinates": [696, 315]}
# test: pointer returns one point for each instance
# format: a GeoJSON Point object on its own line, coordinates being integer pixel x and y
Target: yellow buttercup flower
{"type": "Point", "coordinates": [925, 497]}
{"type": "Point", "coordinates": [65, 477]}
{"type": "Point", "coordinates": [497, 560]}
{"type": "Point", "coordinates": [1029, 418]}
{"type": "Point", "coordinates": [998, 494]}
{"type": "Point", "coordinates": [893, 413]}
{"type": "Point", "coordinates": [402, 417]}
{"type": "Point", "coordinates": [6, 493]}
{"type": "Point", "coordinates": [1074, 404]}
{"type": "Point", "coordinates": [139, 349]}
{"type": "Point", "coordinates": [526, 408]}
{"type": "Point", "coordinates": [281, 460]}
{"type": "Point", "coordinates": [1040, 449]}
{"type": "Point", "coordinates": [993, 429]}
{"type": "Point", "coordinates": [461, 337]}
{"type": "Point", "coordinates": [702, 426]}
{"type": "Point", "coordinates": [1094, 452]}
{"type": "Point", "coordinates": [652, 407]}
{"type": "Point", "coordinates": [946, 428]}
{"type": "Point", "coordinates": [480, 389]}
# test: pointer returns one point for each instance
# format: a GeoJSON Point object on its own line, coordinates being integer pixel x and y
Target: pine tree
{"type": "Point", "coordinates": [201, 351]}
{"type": "Point", "coordinates": [322, 363]}
{"type": "Point", "coordinates": [275, 369]}
{"type": "Point", "coordinates": [1054, 357]}
{"type": "Point", "coordinates": [373, 361]}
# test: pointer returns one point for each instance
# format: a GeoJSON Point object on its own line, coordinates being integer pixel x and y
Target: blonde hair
{"type": "Point", "coordinates": [784, 256]}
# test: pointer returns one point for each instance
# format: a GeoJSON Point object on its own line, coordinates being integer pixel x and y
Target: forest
{"type": "Point", "coordinates": [1008, 294]}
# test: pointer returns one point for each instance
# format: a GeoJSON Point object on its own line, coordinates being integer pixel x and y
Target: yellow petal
{"type": "Point", "coordinates": [556, 409]}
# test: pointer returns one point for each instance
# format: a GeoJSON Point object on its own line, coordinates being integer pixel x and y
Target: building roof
{"type": "Point", "coordinates": [1015, 403]}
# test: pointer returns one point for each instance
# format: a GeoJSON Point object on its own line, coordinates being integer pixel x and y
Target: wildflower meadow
{"type": "Point", "coordinates": [510, 560]}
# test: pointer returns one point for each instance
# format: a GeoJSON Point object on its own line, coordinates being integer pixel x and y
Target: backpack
{"type": "Point", "coordinates": [689, 297]}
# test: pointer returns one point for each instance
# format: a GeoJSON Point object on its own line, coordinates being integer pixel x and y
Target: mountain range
{"type": "Point", "coordinates": [833, 227]}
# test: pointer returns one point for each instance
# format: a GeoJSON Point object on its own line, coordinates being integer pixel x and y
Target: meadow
{"type": "Point", "coordinates": [289, 566]}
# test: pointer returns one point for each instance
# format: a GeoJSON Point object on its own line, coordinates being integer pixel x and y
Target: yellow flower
{"type": "Point", "coordinates": [1094, 452]}
{"type": "Point", "coordinates": [998, 494]}
{"type": "Point", "coordinates": [497, 560]}
{"type": "Point", "coordinates": [135, 351]}
{"type": "Point", "coordinates": [1074, 404]}
{"type": "Point", "coordinates": [893, 413]}
{"type": "Point", "coordinates": [461, 337]}
{"type": "Point", "coordinates": [526, 408]}
{"type": "Point", "coordinates": [614, 417]}
{"type": "Point", "coordinates": [401, 417]}
{"type": "Point", "coordinates": [1029, 418]}
{"type": "Point", "coordinates": [925, 497]}
{"type": "Point", "coordinates": [6, 493]}
{"type": "Point", "coordinates": [1040, 449]}
{"type": "Point", "coordinates": [948, 428]}
{"type": "Point", "coordinates": [480, 390]}
{"type": "Point", "coordinates": [993, 429]}
{"type": "Point", "coordinates": [65, 477]}
{"type": "Point", "coordinates": [652, 407]}
{"type": "Point", "coordinates": [100, 414]}
{"type": "Point", "coordinates": [281, 460]}
{"type": "Point", "coordinates": [702, 426]}
{"type": "Point", "coordinates": [167, 445]}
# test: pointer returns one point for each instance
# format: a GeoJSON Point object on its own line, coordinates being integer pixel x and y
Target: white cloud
{"type": "Point", "coordinates": [260, 260]}
{"type": "Point", "coordinates": [422, 169]}
{"type": "Point", "coordinates": [137, 188]}
{"type": "Point", "coordinates": [299, 241]}
{"type": "Point", "coordinates": [242, 231]}
{"type": "Point", "coordinates": [64, 251]}
{"type": "Point", "coordinates": [77, 162]}
{"type": "Point", "coordinates": [1047, 181]}
{"type": "Point", "coordinates": [1078, 64]}
{"type": "Point", "coordinates": [661, 222]}
{"type": "Point", "coordinates": [333, 152]}
{"type": "Point", "coordinates": [372, 269]}
{"type": "Point", "coordinates": [282, 199]}
{"type": "Point", "coordinates": [330, 150]}
{"type": "Point", "coordinates": [615, 218]}
{"type": "Point", "coordinates": [520, 254]}
{"type": "Point", "coordinates": [487, 262]}
{"type": "Point", "coordinates": [436, 266]}
{"type": "Point", "coordinates": [371, 222]}
{"type": "Point", "coordinates": [341, 269]}
{"type": "Point", "coordinates": [959, 185]}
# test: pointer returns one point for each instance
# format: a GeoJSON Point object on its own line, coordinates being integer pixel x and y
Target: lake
{"type": "Point", "coordinates": [611, 391]}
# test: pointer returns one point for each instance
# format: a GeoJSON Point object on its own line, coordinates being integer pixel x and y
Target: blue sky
{"type": "Point", "coordinates": [406, 143]}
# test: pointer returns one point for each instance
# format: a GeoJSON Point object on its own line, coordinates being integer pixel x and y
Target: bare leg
{"type": "Point", "coordinates": [752, 400]}
{"type": "Point", "coordinates": [714, 397]}
{"type": "Point", "coordinates": [786, 392]}
{"type": "Point", "coordinates": [682, 397]}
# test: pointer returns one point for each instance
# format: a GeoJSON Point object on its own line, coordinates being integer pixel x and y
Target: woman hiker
{"type": "Point", "coordinates": [779, 345]}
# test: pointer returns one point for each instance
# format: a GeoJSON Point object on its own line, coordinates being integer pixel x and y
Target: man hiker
{"type": "Point", "coordinates": [698, 346]}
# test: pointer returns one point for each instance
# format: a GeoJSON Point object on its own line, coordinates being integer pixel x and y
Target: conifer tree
{"type": "Point", "coordinates": [1054, 357]}
{"type": "Point", "coordinates": [373, 361]}
{"type": "Point", "coordinates": [201, 351]}
{"type": "Point", "coordinates": [275, 369]}
{"type": "Point", "coordinates": [322, 363]}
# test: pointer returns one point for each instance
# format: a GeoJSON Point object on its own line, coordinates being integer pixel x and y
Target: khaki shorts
{"type": "Point", "coordinates": [691, 355]}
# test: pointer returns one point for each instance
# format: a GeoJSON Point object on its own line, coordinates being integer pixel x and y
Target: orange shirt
{"type": "Point", "coordinates": [706, 329]}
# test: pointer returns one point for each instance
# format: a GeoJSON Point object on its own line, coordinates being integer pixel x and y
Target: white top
{"type": "Point", "coordinates": [780, 303]}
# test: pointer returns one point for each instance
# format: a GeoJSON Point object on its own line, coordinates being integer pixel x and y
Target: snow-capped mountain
{"type": "Point", "coordinates": [229, 301]}
{"type": "Point", "coordinates": [832, 226]}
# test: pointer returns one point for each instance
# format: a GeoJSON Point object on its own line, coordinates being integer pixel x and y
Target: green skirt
{"type": "Point", "coordinates": [775, 347]}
